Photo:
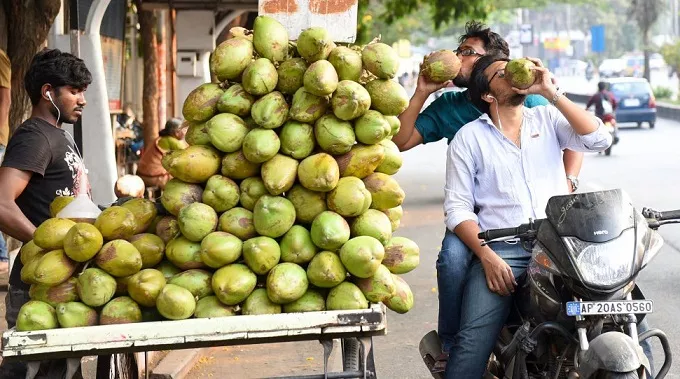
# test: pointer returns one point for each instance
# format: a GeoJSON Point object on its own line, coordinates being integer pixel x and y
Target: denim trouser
{"type": "Point", "coordinates": [483, 314]}
{"type": "Point", "coordinates": [3, 249]}
{"type": "Point", "coordinates": [3, 244]}
{"type": "Point", "coordinates": [452, 267]}
{"type": "Point", "coordinates": [470, 315]}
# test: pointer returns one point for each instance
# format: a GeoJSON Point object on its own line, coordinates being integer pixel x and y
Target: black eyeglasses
{"type": "Point", "coordinates": [467, 52]}
{"type": "Point", "coordinates": [500, 73]}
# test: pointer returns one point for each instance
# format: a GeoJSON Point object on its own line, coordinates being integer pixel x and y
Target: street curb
{"type": "Point", "coordinates": [667, 111]}
{"type": "Point", "coordinates": [177, 364]}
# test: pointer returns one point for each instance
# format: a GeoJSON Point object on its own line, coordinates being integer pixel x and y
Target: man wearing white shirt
{"type": "Point", "coordinates": [506, 164]}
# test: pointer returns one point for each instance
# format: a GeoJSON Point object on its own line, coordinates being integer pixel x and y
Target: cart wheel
{"type": "Point", "coordinates": [351, 354]}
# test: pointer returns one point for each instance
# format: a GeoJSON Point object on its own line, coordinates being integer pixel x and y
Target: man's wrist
{"type": "Point", "coordinates": [421, 93]}
{"type": "Point", "coordinates": [482, 252]}
{"type": "Point", "coordinates": [550, 93]}
{"type": "Point", "coordinates": [573, 179]}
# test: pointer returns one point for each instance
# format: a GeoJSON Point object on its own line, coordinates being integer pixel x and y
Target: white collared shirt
{"type": "Point", "coordinates": [509, 185]}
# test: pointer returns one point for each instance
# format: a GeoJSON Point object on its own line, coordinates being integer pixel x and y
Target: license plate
{"type": "Point", "coordinates": [591, 308]}
{"type": "Point", "coordinates": [631, 102]}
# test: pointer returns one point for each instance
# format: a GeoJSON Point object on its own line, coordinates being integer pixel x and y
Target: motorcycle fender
{"type": "Point", "coordinates": [612, 351]}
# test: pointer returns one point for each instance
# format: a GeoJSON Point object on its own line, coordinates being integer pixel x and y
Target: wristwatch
{"type": "Point", "coordinates": [574, 182]}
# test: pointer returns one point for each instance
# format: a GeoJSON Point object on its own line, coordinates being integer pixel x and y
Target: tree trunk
{"type": "Point", "coordinates": [162, 70]}
{"type": "Point", "coordinates": [29, 21]}
{"type": "Point", "coordinates": [645, 43]}
{"type": "Point", "coordinates": [147, 28]}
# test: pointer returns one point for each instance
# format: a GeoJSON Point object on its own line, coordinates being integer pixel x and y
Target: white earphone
{"type": "Point", "coordinates": [49, 96]}
{"type": "Point", "coordinates": [500, 125]}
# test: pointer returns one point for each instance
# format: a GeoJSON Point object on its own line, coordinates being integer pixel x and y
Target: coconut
{"type": "Point", "coordinates": [334, 135]}
{"type": "Point", "coordinates": [350, 100]}
{"type": "Point", "coordinates": [226, 132]}
{"type": "Point", "coordinates": [441, 66]}
{"type": "Point", "coordinates": [234, 100]}
{"type": "Point", "coordinates": [380, 60]}
{"type": "Point", "coordinates": [260, 77]}
{"type": "Point", "coordinates": [307, 107]}
{"type": "Point", "coordinates": [520, 73]}
{"type": "Point", "coordinates": [297, 139]}
{"type": "Point", "coordinates": [291, 73]}
{"type": "Point", "coordinates": [230, 58]}
{"type": "Point", "coordinates": [314, 44]}
{"type": "Point", "coordinates": [347, 63]}
{"type": "Point", "coordinates": [321, 78]}
{"type": "Point", "coordinates": [270, 38]}
{"type": "Point", "coordinates": [387, 97]}
{"type": "Point", "coordinates": [201, 104]}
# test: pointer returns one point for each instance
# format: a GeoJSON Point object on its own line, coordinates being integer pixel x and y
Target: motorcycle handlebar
{"type": "Point", "coordinates": [493, 234]}
{"type": "Point", "coordinates": [669, 215]}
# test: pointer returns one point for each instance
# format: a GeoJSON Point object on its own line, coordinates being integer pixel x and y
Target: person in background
{"type": "Point", "coordinates": [150, 168]}
{"type": "Point", "coordinates": [129, 132]}
{"type": "Point", "coordinates": [604, 101]}
{"type": "Point", "coordinates": [5, 102]}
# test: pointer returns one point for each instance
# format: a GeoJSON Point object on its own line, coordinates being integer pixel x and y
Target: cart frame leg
{"type": "Point", "coordinates": [327, 351]}
{"type": "Point", "coordinates": [72, 366]}
{"type": "Point", "coordinates": [366, 349]}
{"type": "Point", "coordinates": [33, 368]}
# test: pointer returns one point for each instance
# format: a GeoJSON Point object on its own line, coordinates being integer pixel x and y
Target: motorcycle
{"type": "Point", "coordinates": [577, 308]}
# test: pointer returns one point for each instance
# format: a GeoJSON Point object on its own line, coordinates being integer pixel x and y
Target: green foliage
{"type": "Point", "coordinates": [446, 12]}
{"type": "Point", "coordinates": [671, 54]}
{"type": "Point", "coordinates": [662, 92]}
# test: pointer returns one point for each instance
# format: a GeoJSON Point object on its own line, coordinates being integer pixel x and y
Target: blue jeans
{"type": "Point", "coordinates": [463, 293]}
{"type": "Point", "coordinates": [3, 249]}
{"type": "Point", "coordinates": [483, 314]}
{"type": "Point", "coordinates": [4, 257]}
{"type": "Point", "coordinates": [452, 267]}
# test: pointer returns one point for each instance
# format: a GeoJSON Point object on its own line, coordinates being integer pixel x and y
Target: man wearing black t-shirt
{"type": "Point", "coordinates": [41, 162]}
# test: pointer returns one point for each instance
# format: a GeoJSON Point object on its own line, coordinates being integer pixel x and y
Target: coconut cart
{"type": "Point", "coordinates": [355, 328]}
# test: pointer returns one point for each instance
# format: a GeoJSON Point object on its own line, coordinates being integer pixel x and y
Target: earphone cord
{"type": "Point", "coordinates": [55, 107]}
{"type": "Point", "coordinates": [498, 114]}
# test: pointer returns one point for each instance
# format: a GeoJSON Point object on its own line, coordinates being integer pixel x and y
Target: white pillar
{"type": "Point", "coordinates": [231, 16]}
{"type": "Point", "coordinates": [98, 146]}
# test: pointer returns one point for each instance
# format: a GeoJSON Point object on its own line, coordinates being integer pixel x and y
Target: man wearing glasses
{"type": "Point", "coordinates": [442, 119]}
{"type": "Point", "coordinates": [506, 164]}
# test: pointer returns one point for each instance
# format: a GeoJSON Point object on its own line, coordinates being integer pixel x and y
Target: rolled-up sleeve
{"type": "Point", "coordinates": [459, 188]}
{"type": "Point", "coordinates": [599, 140]}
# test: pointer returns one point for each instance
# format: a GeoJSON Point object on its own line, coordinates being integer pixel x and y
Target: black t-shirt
{"type": "Point", "coordinates": [44, 150]}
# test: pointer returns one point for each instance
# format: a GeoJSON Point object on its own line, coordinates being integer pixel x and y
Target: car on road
{"type": "Point", "coordinates": [611, 68]}
{"type": "Point", "coordinates": [635, 100]}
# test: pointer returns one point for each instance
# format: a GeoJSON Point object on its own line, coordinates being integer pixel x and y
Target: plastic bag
{"type": "Point", "coordinates": [82, 209]}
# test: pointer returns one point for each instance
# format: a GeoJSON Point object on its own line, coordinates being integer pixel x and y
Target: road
{"type": "Point", "coordinates": [646, 163]}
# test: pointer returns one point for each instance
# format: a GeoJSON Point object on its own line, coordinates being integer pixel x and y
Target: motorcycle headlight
{"type": "Point", "coordinates": [604, 264]}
